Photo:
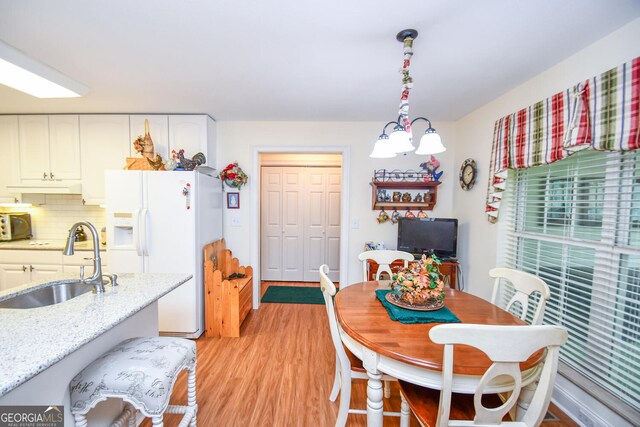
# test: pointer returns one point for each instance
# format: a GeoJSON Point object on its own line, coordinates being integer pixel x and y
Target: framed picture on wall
{"type": "Point", "coordinates": [233, 200]}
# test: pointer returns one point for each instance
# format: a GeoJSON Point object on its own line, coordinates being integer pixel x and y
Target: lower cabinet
{"type": "Point", "coordinates": [12, 275]}
{"type": "Point", "coordinates": [19, 267]}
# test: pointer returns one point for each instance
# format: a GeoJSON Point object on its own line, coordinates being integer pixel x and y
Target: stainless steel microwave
{"type": "Point", "coordinates": [15, 226]}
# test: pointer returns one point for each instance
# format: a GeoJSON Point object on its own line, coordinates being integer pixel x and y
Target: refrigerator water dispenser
{"type": "Point", "coordinates": [123, 230]}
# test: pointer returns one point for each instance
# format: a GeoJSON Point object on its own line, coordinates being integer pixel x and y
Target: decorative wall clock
{"type": "Point", "coordinates": [468, 174]}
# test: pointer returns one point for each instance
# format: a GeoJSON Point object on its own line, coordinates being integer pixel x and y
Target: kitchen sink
{"type": "Point", "coordinates": [54, 293]}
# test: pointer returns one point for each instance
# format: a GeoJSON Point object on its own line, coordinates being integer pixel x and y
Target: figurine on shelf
{"type": "Point", "coordinates": [432, 168]}
{"type": "Point", "coordinates": [396, 196]}
{"type": "Point", "coordinates": [382, 195]}
{"type": "Point", "coordinates": [406, 197]}
{"type": "Point", "coordinates": [418, 198]}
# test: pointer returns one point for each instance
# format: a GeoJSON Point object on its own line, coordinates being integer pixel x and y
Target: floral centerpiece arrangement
{"type": "Point", "coordinates": [233, 176]}
{"type": "Point", "coordinates": [421, 284]}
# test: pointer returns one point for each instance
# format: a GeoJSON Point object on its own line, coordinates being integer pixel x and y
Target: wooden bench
{"type": "Point", "coordinates": [227, 301]}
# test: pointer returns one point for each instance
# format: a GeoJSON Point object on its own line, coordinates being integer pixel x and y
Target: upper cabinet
{"type": "Point", "coordinates": [49, 147]}
{"type": "Point", "coordinates": [193, 133]}
{"type": "Point", "coordinates": [9, 172]}
{"type": "Point", "coordinates": [105, 144]}
{"type": "Point", "coordinates": [43, 151]}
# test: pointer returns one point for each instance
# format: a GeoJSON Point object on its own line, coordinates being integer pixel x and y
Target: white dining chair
{"type": "Point", "coordinates": [507, 347]}
{"type": "Point", "coordinates": [525, 285]}
{"type": "Point", "coordinates": [348, 366]}
{"type": "Point", "coordinates": [384, 258]}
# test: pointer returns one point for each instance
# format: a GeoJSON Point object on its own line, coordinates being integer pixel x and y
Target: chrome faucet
{"type": "Point", "coordinates": [96, 279]}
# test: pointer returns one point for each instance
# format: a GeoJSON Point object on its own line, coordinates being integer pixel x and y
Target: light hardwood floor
{"type": "Point", "coordinates": [278, 373]}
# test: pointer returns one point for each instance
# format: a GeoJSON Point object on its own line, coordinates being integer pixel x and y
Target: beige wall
{"type": "Point", "coordinates": [477, 243]}
{"type": "Point", "coordinates": [238, 139]}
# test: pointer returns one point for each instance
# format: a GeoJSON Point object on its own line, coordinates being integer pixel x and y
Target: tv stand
{"type": "Point", "coordinates": [447, 268]}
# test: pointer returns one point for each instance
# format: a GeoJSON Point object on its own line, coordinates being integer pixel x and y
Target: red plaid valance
{"type": "Point", "coordinates": [599, 114]}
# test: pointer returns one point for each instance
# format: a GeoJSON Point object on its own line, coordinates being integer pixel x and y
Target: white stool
{"type": "Point", "coordinates": [141, 372]}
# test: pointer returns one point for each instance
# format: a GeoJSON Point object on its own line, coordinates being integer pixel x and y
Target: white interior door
{"type": "Point", "coordinates": [332, 224]}
{"type": "Point", "coordinates": [315, 221]}
{"type": "Point", "coordinates": [300, 222]}
{"type": "Point", "coordinates": [322, 222]}
{"type": "Point", "coordinates": [271, 224]}
{"type": "Point", "coordinates": [292, 224]}
{"type": "Point", "coordinates": [282, 223]}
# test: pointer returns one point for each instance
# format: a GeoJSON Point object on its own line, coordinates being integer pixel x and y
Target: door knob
{"type": "Point", "coordinates": [51, 175]}
{"type": "Point", "coordinates": [30, 267]}
{"type": "Point", "coordinates": [24, 268]}
{"type": "Point", "coordinates": [44, 175]}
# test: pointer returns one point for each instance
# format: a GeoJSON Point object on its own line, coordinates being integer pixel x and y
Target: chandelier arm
{"type": "Point", "coordinates": [421, 118]}
{"type": "Point", "coordinates": [384, 129]}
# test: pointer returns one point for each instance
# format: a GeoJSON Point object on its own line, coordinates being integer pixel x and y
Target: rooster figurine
{"type": "Point", "coordinates": [156, 163]}
{"type": "Point", "coordinates": [190, 164]}
{"type": "Point", "coordinates": [432, 167]}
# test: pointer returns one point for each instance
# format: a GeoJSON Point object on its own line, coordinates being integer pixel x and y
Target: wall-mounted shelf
{"type": "Point", "coordinates": [428, 189]}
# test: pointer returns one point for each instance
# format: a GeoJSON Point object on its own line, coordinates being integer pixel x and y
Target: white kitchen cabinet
{"type": "Point", "coordinates": [18, 267]}
{"type": "Point", "coordinates": [34, 147]}
{"type": "Point", "coordinates": [43, 271]}
{"type": "Point", "coordinates": [49, 147]}
{"type": "Point", "coordinates": [19, 274]}
{"type": "Point", "coordinates": [64, 147]}
{"type": "Point", "coordinates": [159, 131]}
{"type": "Point", "coordinates": [12, 275]}
{"type": "Point", "coordinates": [105, 144]}
{"type": "Point", "coordinates": [193, 133]}
{"type": "Point", "coordinates": [9, 172]}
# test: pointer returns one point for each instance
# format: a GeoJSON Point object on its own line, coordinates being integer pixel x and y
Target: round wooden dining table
{"type": "Point", "coordinates": [405, 351]}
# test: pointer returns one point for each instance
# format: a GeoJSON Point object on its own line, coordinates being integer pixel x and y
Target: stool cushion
{"type": "Point", "coordinates": [141, 371]}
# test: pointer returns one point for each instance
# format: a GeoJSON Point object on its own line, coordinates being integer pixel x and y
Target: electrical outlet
{"type": "Point", "coordinates": [235, 221]}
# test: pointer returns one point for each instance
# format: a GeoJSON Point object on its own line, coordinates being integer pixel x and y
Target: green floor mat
{"type": "Point", "coordinates": [293, 295]}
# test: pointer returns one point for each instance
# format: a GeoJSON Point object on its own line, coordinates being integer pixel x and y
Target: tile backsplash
{"type": "Point", "coordinates": [53, 219]}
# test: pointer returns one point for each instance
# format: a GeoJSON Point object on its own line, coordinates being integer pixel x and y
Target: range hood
{"type": "Point", "coordinates": [46, 187]}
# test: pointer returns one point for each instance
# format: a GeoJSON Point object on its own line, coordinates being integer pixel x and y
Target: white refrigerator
{"type": "Point", "coordinates": [158, 222]}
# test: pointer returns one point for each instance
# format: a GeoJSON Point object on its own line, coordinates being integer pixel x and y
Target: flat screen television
{"type": "Point", "coordinates": [429, 235]}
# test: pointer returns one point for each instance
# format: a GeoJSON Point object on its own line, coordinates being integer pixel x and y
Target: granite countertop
{"type": "Point", "coordinates": [48, 245]}
{"type": "Point", "coordinates": [36, 338]}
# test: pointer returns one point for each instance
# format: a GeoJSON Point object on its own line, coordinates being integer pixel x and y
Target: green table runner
{"type": "Point", "coordinates": [403, 315]}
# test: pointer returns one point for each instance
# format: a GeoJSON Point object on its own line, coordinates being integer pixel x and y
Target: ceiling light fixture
{"type": "Point", "coordinates": [401, 138]}
{"type": "Point", "coordinates": [19, 71]}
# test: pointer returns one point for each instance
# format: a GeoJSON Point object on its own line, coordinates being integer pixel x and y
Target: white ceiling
{"type": "Point", "coordinates": [296, 59]}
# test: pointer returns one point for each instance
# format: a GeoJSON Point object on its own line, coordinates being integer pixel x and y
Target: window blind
{"type": "Point", "coordinates": [576, 224]}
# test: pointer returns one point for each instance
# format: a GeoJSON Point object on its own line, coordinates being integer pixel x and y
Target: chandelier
{"type": "Point", "coordinates": [401, 138]}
